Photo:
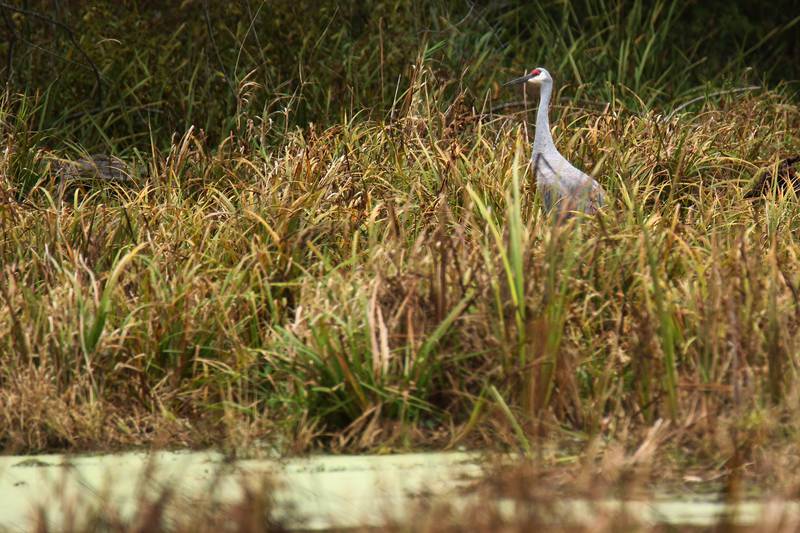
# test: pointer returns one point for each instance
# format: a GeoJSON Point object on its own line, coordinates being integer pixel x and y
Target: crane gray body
{"type": "Point", "coordinates": [563, 187]}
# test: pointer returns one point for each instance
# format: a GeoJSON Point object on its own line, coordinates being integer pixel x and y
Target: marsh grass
{"type": "Point", "coordinates": [373, 279]}
{"type": "Point", "coordinates": [384, 278]}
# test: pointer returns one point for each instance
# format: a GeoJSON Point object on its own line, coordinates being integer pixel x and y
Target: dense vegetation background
{"type": "Point", "coordinates": [330, 238]}
{"type": "Point", "coordinates": [127, 73]}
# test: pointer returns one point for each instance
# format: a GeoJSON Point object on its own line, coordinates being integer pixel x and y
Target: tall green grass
{"type": "Point", "coordinates": [267, 67]}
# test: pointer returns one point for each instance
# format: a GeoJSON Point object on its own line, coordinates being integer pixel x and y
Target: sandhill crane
{"type": "Point", "coordinates": [561, 185]}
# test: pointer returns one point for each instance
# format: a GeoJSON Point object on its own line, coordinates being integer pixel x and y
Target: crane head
{"type": "Point", "coordinates": [535, 77]}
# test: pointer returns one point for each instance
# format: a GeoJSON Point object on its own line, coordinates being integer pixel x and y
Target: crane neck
{"type": "Point", "coordinates": [543, 139]}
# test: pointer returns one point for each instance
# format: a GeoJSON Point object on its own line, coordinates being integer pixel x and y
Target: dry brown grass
{"type": "Point", "coordinates": [349, 288]}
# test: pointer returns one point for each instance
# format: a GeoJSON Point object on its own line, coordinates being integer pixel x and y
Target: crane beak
{"type": "Point", "coordinates": [519, 80]}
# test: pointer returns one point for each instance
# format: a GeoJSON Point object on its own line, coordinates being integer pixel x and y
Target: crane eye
{"type": "Point", "coordinates": [535, 72]}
